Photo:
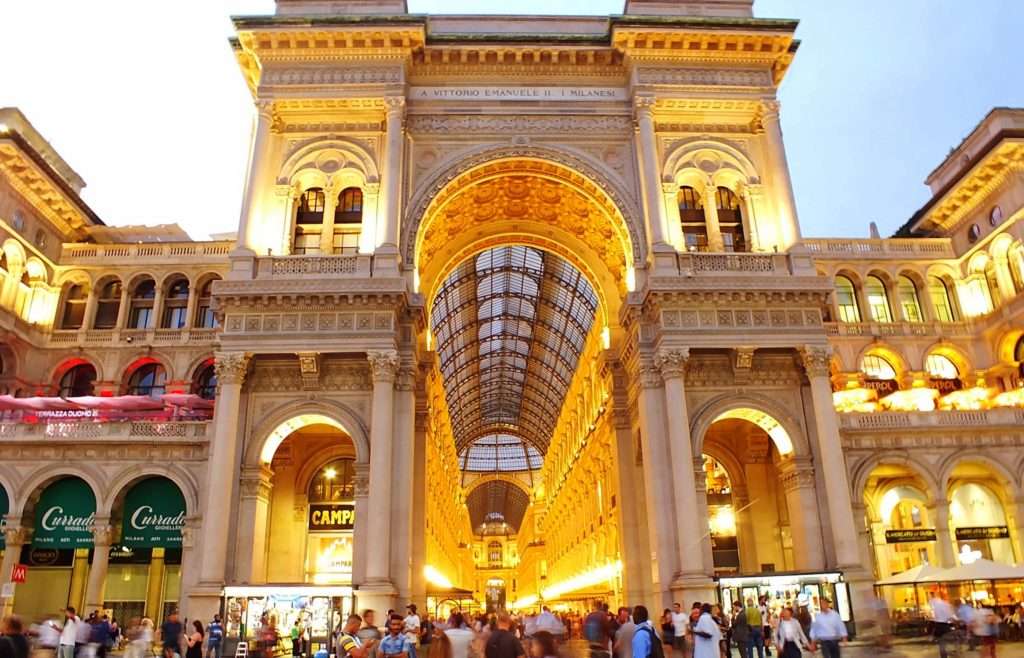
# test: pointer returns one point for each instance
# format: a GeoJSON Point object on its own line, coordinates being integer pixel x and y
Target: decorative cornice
{"type": "Point", "coordinates": [816, 360]}
{"type": "Point", "coordinates": [231, 367]}
{"type": "Point", "coordinates": [672, 362]}
{"type": "Point", "coordinates": [384, 364]}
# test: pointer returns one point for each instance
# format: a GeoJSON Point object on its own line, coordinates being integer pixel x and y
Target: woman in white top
{"type": "Point", "coordinates": [706, 635]}
{"type": "Point", "coordinates": [789, 636]}
{"type": "Point", "coordinates": [460, 637]}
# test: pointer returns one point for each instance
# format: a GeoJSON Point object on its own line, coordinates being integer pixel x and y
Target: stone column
{"type": "Point", "coordinates": [253, 523]}
{"type": "Point", "coordinates": [327, 227]}
{"type": "Point", "coordinates": [231, 368]}
{"type": "Point", "coordinates": [797, 476]}
{"type": "Point", "coordinates": [155, 321]}
{"type": "Point", "coordinates": [650, 174]}
{"type": "Point", "coordinates": [419, 504]}
{"type": "Point", "coordinates": [259, 166]}
{"type": "Point", "coordinates": [402, 482]}
{"type": "Point", "coordinates": [1015, 522]}
{"type": "Point", "coordinates": [89, 318]}
{"type": "Point", "coordinates": [745, 535]}
{"type": "Point", "coordinates": [634, 542]}
{"type": "Point", "coordinates": [361, 484]}
{"type": "Point", "coordinates": [15, 537]}
{"type": "Point", "coordinates": [122, 307]}
{"type": "Point", "coordinates": [391, 182]}
{"type": "Point", "coordinates": [945, 552]}
{"type": "Point", "coordinates": [690, 522]}
{"type": "Point", "coordinates": [714, 229]}
{"type": "Point", "coordinates": [881, 550]}
{"type": "Point", "coordinates": [789, 228]}
{"type": "Point", "coordinates": [102, 536]}
{"type": "Point", "coordinates": [830, 454]}
{"type": "Point", "coordinates": [1004, 278]}
{"type": "Point", "coordinates": [657, 484]}
{"type": "Point", "coordinates": [673, 222]}
{"type": "Point", "coordinates": [190, 305]}
{"type": "Point", "coordinates": [749, 194]}
{"type": "Point", "coordinates": [378, 587]}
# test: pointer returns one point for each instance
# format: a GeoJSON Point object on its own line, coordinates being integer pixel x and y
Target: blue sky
{"type": "Point", "coordinates": [145, 101]}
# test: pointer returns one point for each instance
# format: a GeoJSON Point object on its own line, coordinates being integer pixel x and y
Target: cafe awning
{"type": "Point", "coordinates": [981, 569]}
{"type": "Point", "coordinates": [924, 573]}
{"type": "Point", "coordinates": [105, 403]}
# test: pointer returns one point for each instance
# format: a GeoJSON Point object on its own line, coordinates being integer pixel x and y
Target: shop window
{"type": "Point", "coordinates": [73, 315]}
{"type": "Point", "coordinates": [691, 215]}
{"type": "Point", "coordinates": [943, 374]}
{"type": "Point", "coordinates": [78, 381]}
{"type": "Point", "coordinates": [910, 305]}
{"type": "Point", "coordinates": [143, 296]}
{"type": "Point", "coordinates": [205, 382]}
{"type": "Point", "coordinates": [149, 380]}
{"type": "Point", "coordinates": [846, 300]}
{"type": "Point", "coordinates": [350, 206]}
{"type": "Point", "coordinates": [879, 374]}
{"type": "Point", "coordinates": [309, 219]}
{"type": "Point", "coordinates": [730, 219]}
{"type": "Point", "coordinates": [941, 300]}
{"type": "Point", "coordinates": [108, 305]}
{"type": "Point", "coordinates": [721, 517]}
{"type": "Point", "coordinates": [494, 554]}
{"type": "Point", "coordinates": [335, 482]}
{"type": "Point", "coordinates": [205, 317]}
{"type": "Point", "coordinates": [175, 305]}
{"type": "Point", "coordinates": [878, 299]}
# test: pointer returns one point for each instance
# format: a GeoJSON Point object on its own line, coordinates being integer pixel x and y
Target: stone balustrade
{"type": "Point", "coordinates": [319, 266]}
{"type": "Point", "coordinates": [925, 420]}
{"type": "Point", "coordinates": [119, 254]}
{"type": "Point", "coordinates": [104, 337]}
{"type": "Point", "coordinates": [880, 329]}
{"type": "Point", "coordinates": [872, 249]}
{"type": "Point", "coordinates": [700, 263]}
{"type": "Point", "coordinates": [84, 430]}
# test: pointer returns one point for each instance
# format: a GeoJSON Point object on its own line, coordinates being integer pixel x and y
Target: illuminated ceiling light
{"type": "Point", "coordinates": [915, 399]}
{"type": "Point", "coordinates": [435, 577]}
{"type": "Point", "coordinates": [330, 473]}
{"type": "Point", "coordinates": [968, 399]}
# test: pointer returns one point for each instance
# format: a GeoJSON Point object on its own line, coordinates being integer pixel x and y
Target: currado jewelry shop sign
{"type": "Point", "coordinates": [516, 93]}
{"type": "Point", "coordinates": [64, 515]}
{"type": "Point", "coordinates": [154, 514]}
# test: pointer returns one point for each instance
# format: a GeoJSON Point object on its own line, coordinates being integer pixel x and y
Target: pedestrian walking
{"type": "Point", "coordinates": [13, 643]}
{"type": "Point", "coordinates": [827, 630]}
{"type": "Point", "coordinates": [755, 639]}
{"type": "Point", "coordinates": [69, 633]}
{"type": "Point", "coordinates": [645, 639]}
{"type": "Point", "coordinates": [170, 636]}
{"type": "Point", "coordinates": [789, 637]}
{"type": "Point", "coordinates": [194, 641]}
{"type": "Point", "coordinates": [502, 643]}
{"type": "Point", "coordinates": [214, 638]}
{"type": "Point", "coordinates": [943, 621]}
{"type": "Point", "coordinates": [623, 644]}
{"type": "Point", "coordinates": [706, 635]}
{"type": "Point", "coordinates": [739, 630]}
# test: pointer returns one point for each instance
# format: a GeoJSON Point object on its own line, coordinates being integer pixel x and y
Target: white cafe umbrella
{"type": "Point", "coordinates": [924, 573]}
{"type": "Point", "coordinates": [981, 569]}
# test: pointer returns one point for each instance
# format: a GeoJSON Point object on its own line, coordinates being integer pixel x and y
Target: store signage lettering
{"type": "Point", "coordinates": [64, 515]}
{"type": "Point", "coordinates": [154, 514]}
{"type": "Point", "coordinates": [909, 535]}
{"type": "Point", "coordinates": [514, 93]}
{"type": "Point", "coordinates": [988, 532]}
{"type": "Point", "coordinates": [331, 516]}
{"type": "Point", "coordinates": [43, 557]}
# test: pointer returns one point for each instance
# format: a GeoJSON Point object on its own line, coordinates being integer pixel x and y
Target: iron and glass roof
{"type": "Point", "coordinates": [497, 501]}
{"type": "Point", "coordinates": [510, 324]}
{"type": "Point", "coordinates": [500, 452]}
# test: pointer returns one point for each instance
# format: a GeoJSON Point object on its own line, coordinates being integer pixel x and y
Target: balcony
{"type": "Point", "coordinates": [104, 337]}
{"type": "Point", "coordinates": [928, 421]}
{"type": "Point", "coordinates": [875, 249]}
{"type": "Point", "coordinates": [146, 252]}
{"type": "Point", "coordinates": [883, 329]}
{"type": "Point", "coordinates": [82, 430]}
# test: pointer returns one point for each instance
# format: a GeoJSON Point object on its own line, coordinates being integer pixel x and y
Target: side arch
{"type": "Point", "coordinates": [862, 472]}
{"type": "Point", "coordinates": [767, 414]}
{"type": "Point", "coordinates": [319, 161]}
{"type": "Point", "coordinates": [718, 160]}
{"type": "Point", "coordinates": [46, 475]}
{"type": "Point", "coordinates": [270, 432]}
{"type": "Point", "coordinates": [182, 478]}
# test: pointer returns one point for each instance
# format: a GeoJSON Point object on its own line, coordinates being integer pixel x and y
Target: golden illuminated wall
{"type": "Point", "coordinates": [447, 524]}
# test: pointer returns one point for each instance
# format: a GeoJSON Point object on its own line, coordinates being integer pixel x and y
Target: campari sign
{"type": "Point", "coordinates": [154, 514]}
{"type": "Point", "coordinates": [65, 514]}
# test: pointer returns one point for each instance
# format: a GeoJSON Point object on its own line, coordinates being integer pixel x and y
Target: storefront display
{"type": "Point", "coordinates": [794, 590]}
{"type": "Point", "coordinates": [320, 609]}
{"type": "Point", "coordinates": [979, 523]}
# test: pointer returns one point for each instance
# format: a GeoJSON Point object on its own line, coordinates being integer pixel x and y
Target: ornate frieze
{"type": "Point", "coordinates": [333, 376]}
{"type": "Point", "coordinates": [309, 322]}
{"type": "Point", "coordinates": [705, 77]}
{"type": "Point", "coordinates": [739, 319]}
{"type": "Point", "coordinates": [453, 124]}
{"type": "Point", "coordinates": [331, 75]}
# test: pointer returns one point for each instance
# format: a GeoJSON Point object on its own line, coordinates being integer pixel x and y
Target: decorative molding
{"type": "Point", "coordinates": [449, 124]}
{"type": "Point", "coordinates": [330, 75]}
{"type": "Point", "coordinates": [231, 367]}
{"type": "Point", "coordinates": [816, 360]}
{"type": "Point", "coordinates": [672, 362]}
{"type": "Point", "coordinates": [649, 375]}
{"type": "Point", "coordinates": [384, 364]}
{"type": "Point", "coordinates": [704, 77]}
{"type": "Point", "coordinates": [743, 363]}
{"type": "Point", "coordinates": [257, 483]}
{"type": "Point", "coordinates": [361, 480]}
{"type": "Point", "coordinates": [309, 323]}
{"type": "Point", "coordinates": [309, 368]}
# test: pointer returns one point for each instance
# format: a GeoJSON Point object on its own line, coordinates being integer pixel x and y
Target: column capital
{"type": "Point", "coordinates": [816, 360]}
{"type": "Point", "coordinates": [16, 536]}
{"type": "Point", "coordinates": [770, 110]}
{"type": "Point", "coordinates": [405, 379]}
{"type": "Point", "coordinates": [643, 105]}
{"type": "Point", "coordinates": [796, 473]}
{"type": "Point", "coordinates": [257, 482]}
{"type": "Point", "coordinates": [384, 364]}
{"type": "Point", "coordinates": [395, 106]}
{"type": "Point", "coordinates": [649, 375]}
{"type": "Point", "coordinates": [265, 109]}
{"type": "Point", "coordinates": [231, 367]}
{"type": "Point", "coordinates": [102, 533]}
{"type": "Point", "coordinates": [671, 362]}
{"type": "Point", "coordinates": [361, 480]}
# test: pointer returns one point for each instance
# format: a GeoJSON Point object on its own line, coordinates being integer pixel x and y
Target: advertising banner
{"type": "Point", "coordinates": [154, 514]}
{"type": "Point", "coordinates": [329, 517]}
{"type": "Point", "coordinates": [64, 515]}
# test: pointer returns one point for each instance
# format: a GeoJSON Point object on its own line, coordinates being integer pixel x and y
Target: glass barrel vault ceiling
{"type": "Point", "coordinates": [509, 324]}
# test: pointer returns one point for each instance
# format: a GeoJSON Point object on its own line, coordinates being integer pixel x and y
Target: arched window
{"type": "Point", "coordinates": [149, 380]}
{"type": "Point", "coordinates": [730, 219]}
{"type": "Point", "coordinates": [992, 280]}
{"type": "Point", "coordinates": [348, 215]}
{"type": "Point", "coordinates": [879, 375]}
{"type": "Point", "coordinates": [108, 304]}
{"type": "Point", "coordinates": [494, 553]}
{"type": "Point", "coordinates": [309, 219]}
{"type": "Point", "coordinates": [1016, 263]}
{"type": "Point", "coordinates": [878, 299]}
{"type": "Point", "coordinates": [1018, 350]}
{"type": "Point", "coordinates": [143, 295]}
{"type": "Point", "coordinates": [942, 373]}
{"type": "Point", "coordinates": [205, 318]}
{"type": "Point", "coordinates": [77, 381]}
{"type": "Point", "coordinates": [175, 305]}
{"type": "Point", "coordinates": [73, 315]}
{"type": "Point", "coordinates": [941, 300]}
{"type": "Point", "coordinates": [910, 305]}
{"type": "Point", "coordinates": [691, 215]}
{"type": "Point", "coordinates": [204, 384]}
{"type": "Point", "coordinates": [846, 300]}
{"type": "Point", "coordinates": [334, 483]}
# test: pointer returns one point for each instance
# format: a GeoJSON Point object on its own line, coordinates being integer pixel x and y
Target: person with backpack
{"type": "Point", "coordinates": [214, 638]}
{"type": "Point", "coordinates": [646, 643]}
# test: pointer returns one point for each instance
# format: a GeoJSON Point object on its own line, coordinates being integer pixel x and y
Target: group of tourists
{"type": "Point", "coordinates": [977, 627]}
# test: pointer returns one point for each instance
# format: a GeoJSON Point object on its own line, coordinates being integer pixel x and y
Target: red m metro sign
{"type": "Point", "coordinates": [18, 573]}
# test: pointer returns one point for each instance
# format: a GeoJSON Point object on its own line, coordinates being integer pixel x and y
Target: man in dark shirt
{"type": "Point", "coordinates": [502, 643]}
{"type": "Point", "coordinates": [170, 635]}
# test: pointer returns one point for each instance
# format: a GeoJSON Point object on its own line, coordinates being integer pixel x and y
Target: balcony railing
{"type": "Point", "coordinates": [847, 248]}
{"type": "Point", "coordinates": [289, 267]}
{"type": "Point", "coordinates": [732, 263]}
{"type": "Point", "coordinates": [103, 431]}
{"type": "Point", "coordinates": [905, 420]}
{"type": "Point", "coordinates": [149, 251]}
{"type": "Point", "coordinates": [872, 329]}
{"type": "Point", "coordinates": [91, 337]}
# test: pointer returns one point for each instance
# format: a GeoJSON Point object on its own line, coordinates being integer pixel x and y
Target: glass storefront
{"type": "Point", "coordinates": [789, 590]}
{"type": "Point", "coordinates": [248, 609]}
{"type": "Point", "coordinates": [979, 525]}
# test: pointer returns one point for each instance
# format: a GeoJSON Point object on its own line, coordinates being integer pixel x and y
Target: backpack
{"type": "Point", "coordinates": [657, 648]}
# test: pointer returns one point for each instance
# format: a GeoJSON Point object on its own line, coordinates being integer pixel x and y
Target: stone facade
{"type": "Point", "coordinates": [643, 150]}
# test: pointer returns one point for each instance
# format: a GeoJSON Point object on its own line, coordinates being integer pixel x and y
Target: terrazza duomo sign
{"type": "Point", "coordinates": [512, 93]}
